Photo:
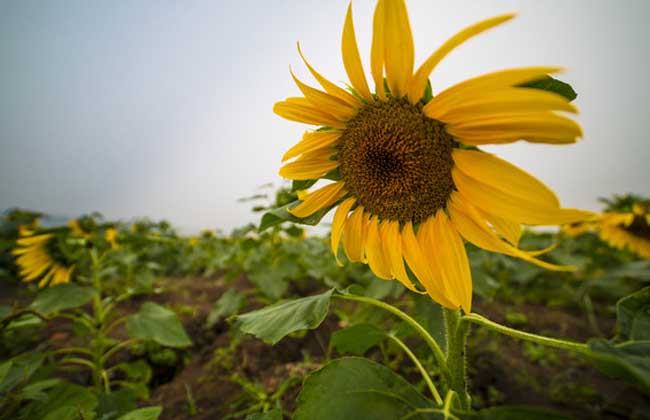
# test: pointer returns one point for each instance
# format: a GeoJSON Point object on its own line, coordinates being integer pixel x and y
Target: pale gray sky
{"type": "Point", "coordinates": [163, 108]}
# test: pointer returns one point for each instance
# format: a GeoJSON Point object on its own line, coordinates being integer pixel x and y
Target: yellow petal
{"type": "Point", "coordinates": [453, 261]}
{"type": "Point", "coordinates": [377, 261]}
{"type": "Point", "coordinates": [37, 271]}
{"type": "Point", "coordinates": [504, 176]}
{"type": "Point", "coordinates": [377, 49]}
{"type": "Point", "coordinates": [422, 268]}
{"type": "Point", "coordinates": [470, 88]}
{"type": "Point", "coordinates": [31, 240]}
{"type": "Point", "coordinates": [310, 166]}
{"type": "Point", "coordinates": [510, 230]}
{"type": "Point", "coordinates": [300, 110]}
{"type": "Point", "coordinates": [512, 207]}
{"type": "Point", "coordinates": [330, 87]}
{"type": "Point", "coordinates": [46, 279]}
{"type": "Point", "coordinates": [337, 225]}
{"type": "Point", "coordinates": [391, 240]}
{"type": "Point", "coordinates": [504, 102]}
{"type": "Point", "coordinates": [312, 140]}
{"type": "Point", "coordinates": [319, 199]}
{"type": "Point", "coordinates": [473, 228]}
{"type": "Point", "coordinates": [419, 80]}
{"type": "Point", "coordinates": [351, 59]}
{"type": "Point", "coordinates": [398, 47]}
{"type": "Point", "coordinates": [325, 102]}
{"type": "Point", "coordinates": [353, 239]}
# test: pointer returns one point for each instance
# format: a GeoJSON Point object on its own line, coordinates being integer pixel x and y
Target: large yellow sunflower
{"type": "Point", "coordinates": [34, 259]}
{"type": "Point", "coordinates": [628, 230]}
{"type": "Point", "coordinates": [409, 183]}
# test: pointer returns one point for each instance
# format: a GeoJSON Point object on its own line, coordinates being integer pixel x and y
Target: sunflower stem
{"type": "Point", "coordinates": [431, 342]}
{"type": "Point", "coordinates": [423, 371]}
{"type": "Point", "coordinates": [456, 342]}
{"type": "Point", "coordinates": [539, 339]}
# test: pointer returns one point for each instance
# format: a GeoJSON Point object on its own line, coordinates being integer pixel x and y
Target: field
{"type": "Point", "coordinates": [152, 324]}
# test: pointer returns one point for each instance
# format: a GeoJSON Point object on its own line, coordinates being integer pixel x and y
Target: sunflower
{"type": "Point", "coordinates": [34, 258]}
{"type": "Point", "coordinates": [110, 234]}
{"type": "Point", "coordinates": [628, 230]}
{"type": "Point", "coordinates": [410, 183]}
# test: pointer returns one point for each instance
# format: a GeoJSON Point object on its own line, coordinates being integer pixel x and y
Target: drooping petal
{"type": "Point", "coordinates": [504, 176]}
{"type": "Point", "coordinates": [512, 207]}
{"type": "Point", "coordinates": [473, 228]}
{"type": "Point", "coordinates": [351, 59]}
{"type": "Point", "coordinates": [453, 262]}
{"type": "Point", "coordinates": [377, 49]}
{"type": "Point", "coordinates": [46, 278]}
{"type": "Point", "coordinates": [330, 87]}
{"type": "Point", "coordinates": [377, 261]}
{"type": "Point", "coordinates": [311, 165]}
{"type": "Point", "coordinates": [311, 141]}
{"type": "Point", "coordinates": [32, 240]}
{"type": "Point", "coordinates": [507, 101]}
{"type": "Point", "coordinates": [419, 80]}
{"type": "Point", "coordinates": [392, 244]}
{"type": "Point", "coordinates": [301, 110]}
{"type": "Point", "coordinates": [353, 238]}
{"type": "Point", "coordinates": [338, 222]}
{"type": "Point", "coordinates": [398, 47]}
{"type": "Point", "coordinates": [510, 230]}
{"type": "Point", "coordinates": [325, 102]}
{"type": "Point", "coordinates": [421, 267]}
{"type": "Point", "coordinates": [319, 199]}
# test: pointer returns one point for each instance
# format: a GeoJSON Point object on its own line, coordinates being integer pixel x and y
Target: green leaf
{"type": "Point", "coordinates": [633, 314]}
{"type": "Point", "coordinates": [146, 413]}
{"type": "Point", "coordinates": [357, 339]}
{"type": "Point", "coordinates": [550, 84]}
{"type": "Point", "coordinates": [36, 390]}
{"type": "Point", "coordinates": [19, 369]}
{"type": "Point", "coordinates": [515, 413]}
{"type": "Point", "coordinates": [157, 323]}
{"type": "Point", "coordinates": [228, 304]}
{"type": "Point", "coordinates": [275, 414]}
{"type": "Point", "coordinates": [302, 184]}
{"type": "Point", "coordinates": [629, 361]}
{"type": "Point", "coordinates": [61, 297]}
{"type": "Point", "coordinates": [274, 322]}
{"type": "Point", "coordinates": [116, 403]}
{"type": "Point", "coordinates": [429, 314]}
{"type": "Point", "coordinates": [281, 215]}
{"type": "Point", "coordinates": [64, 402]}
{"type": "Point", "coordinates": [351, 387]}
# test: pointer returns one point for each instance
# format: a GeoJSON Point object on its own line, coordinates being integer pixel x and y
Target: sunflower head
{"type": "Point", "coordinates": [627, 227]}
{"type": "Point", "coordinates": [39, 256]}
{"type": "Point", "coordinates": [409, 182]}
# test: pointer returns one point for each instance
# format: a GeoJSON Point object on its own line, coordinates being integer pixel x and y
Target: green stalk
{"type": "Point", "coordinates": [423, 371]}
{"type": "Point", "coordinates": [456, 342]}
{"type": "Point", "coordinates": [539, 339]}
{"type": "Point", "coordinates": [433, 345]}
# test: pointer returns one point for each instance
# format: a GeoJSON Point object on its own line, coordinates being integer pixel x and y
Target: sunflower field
{"type": "Point", "coordinates": [430, 292]}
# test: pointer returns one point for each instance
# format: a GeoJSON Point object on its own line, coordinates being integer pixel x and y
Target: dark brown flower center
{"type": "Point", "coordinates": [396, 161]}
{"type": "Point", "coordinates": [638, 227]}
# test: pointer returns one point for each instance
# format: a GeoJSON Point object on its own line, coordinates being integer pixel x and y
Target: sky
{"type": "Point", "coordinates": [163, 108]}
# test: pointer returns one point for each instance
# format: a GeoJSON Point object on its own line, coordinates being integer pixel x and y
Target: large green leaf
{"type": "Point", "coordinates": [19, 369]}
{"type": "Point", "coordinates": [633, 313]}
{"type": "Point", "coordinates": [357, 339]}
{"type": "Point", "coordinates": [550, 84]}
{"type": "Point", "coordinates": [275, 414]}
{"type": "Point", "coordinates": [274, 322]}
{"type": "Point", "coordinates": [64, 296]}
{"type": "Point", "coordinates": [64, 402]}
{"type": "Point", "coordinates": [116, 403]}
{"type": "Point", "coordinates": [157, 323]}
{"type": "Point", "coordinates": [146, 413]}
{"type": "Point", "coordinates": [228, 304]}
{"type": "Point", "coordinates": [353, 388]}
{"type": "Point", "coordinates": [629, 361]}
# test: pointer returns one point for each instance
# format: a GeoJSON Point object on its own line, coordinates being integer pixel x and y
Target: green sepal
{"type": "Point", "coordinates": [550, 84]}
{"type": "Point", "coordinates": [281, 215]}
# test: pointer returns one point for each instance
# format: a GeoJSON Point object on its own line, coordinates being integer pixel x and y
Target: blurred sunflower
{"type": "Point", "coordinates": [410, 183]}
{"type": "Point", "coordinates": [34, 257]}
{"type": "Point", "coordinates": [110, 234]}
{"type": "Point", "coordinates": [628, 230]}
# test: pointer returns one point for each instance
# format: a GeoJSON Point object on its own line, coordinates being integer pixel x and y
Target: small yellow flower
{"type": "Point", "coordinates": [34, 259]}
{"type": "Point", "coordinates": [111, 237]}
{"type": "Point", "coordinates": [412, 185]}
